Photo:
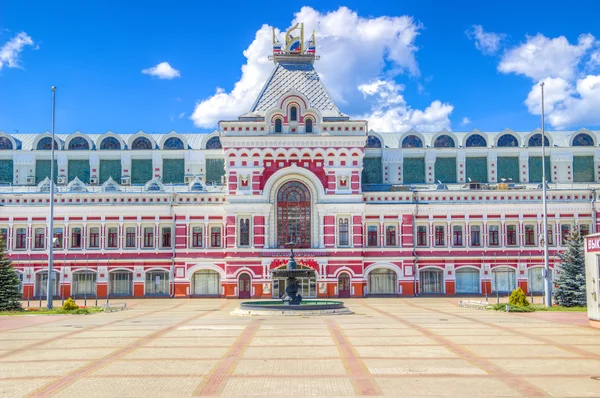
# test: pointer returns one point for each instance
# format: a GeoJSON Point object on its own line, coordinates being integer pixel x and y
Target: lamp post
{"type": "Point", "coordinates": [547, 280]}
{"type": "Point", "coordinates": [49, 291]}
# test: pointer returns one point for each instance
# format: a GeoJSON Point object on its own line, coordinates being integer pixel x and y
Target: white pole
{"type": "Point", "coordinates": [547, 279]}
{"type": "Point", "coordinates": [49, 289]}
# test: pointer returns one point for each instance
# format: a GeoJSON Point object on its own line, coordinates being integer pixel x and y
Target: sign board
{"type": "Point", "coordinates": [592, 244]}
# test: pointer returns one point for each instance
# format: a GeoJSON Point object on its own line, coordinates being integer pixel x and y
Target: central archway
{"type": "Point", "coordinates": [294, 215]}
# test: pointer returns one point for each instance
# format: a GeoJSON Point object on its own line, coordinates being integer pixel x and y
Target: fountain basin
{"type": "Point", "coordinates": [307, 307]}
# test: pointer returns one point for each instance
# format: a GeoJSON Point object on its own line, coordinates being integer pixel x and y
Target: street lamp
{"type": "Point", "coordinates": [49, 291]}
{"type": "Point", "coordinates": [547, 281]}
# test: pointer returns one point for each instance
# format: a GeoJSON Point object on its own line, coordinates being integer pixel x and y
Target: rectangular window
{"type": "Point", "coordinates": [440, 235]}
{"type": "Point", "coordinates": [4, 234]}
{"type": "Point", "coordinates": [343, 238]}
{"type": "Point", "coordinates": [165, 237]}
{"type": "Point", "coordinates": [130, 237]}
{"type": "Point", "coordinates": [21, 238]}
{"type": "Point", "coordinates": [565, 231]}
{"type": "Point", "coordinates": [40, 238]}
{"type": "Point", "coordinates": [58, 238]}
{"type": "Point", "coordinates": [372, 236]}
{"type": "Point", "coordinates": [511, 235]}
{"type": "Point", "coordinates": [113, 237]}
{"type": "Point", "coordinates": [494, 236]}
{"type": "Point", "coordinates": [421, 235]}
{"type": "Point", "coordinates": [475, 235]}
{"type": "Point", "coordinates": [530, 235]}
{"type": "Point", "coordinates": [76, 238]}
{"type": "Point", "coordinates": [584, 229]}
{"type": "Point", "coordinates": [148, 237]}
{"type": "Point", "coordinates": [550, 235]}
{"type": "Point", "coordinates": [215, 237]}
{"type": "Point", "coordinates": [457, 235]}
{"type": "Point", "coordinates": [197, 237]}
{"type": "Point", "coordinates": [390, 235]}
{"type": "Point", "coordinates": [244, 231]}
{"type": "Point", "coordinates": [94, 242]}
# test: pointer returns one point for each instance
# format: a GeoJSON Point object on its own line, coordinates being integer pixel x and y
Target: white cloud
{"type": "Point", "coordinates": [181, 115]}
{"type": "Point", "coordinates": [487, 42]}
{"type": "Point", "coordinates": [372, 49]}
{"type": "Point", "coordinates": [465, 121]}
{"type": "Point", "coordinates": [162, 71]}
{"type": "Point", "coordinates": [541, 57]}
{"type": "Point", "coordinates": [390, 112]}
{"type": "Point", "coordinates": [10, 51]}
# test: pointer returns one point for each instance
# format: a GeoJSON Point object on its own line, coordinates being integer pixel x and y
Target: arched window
{"type": "Point", "coordinates": [476, 140]}
{"type": "Point", "coordinates": [214, 143]}
{"type": "Point", "coordinates": [293, 215]}
{"type": "Point", "coordinates": [508, 140]}
{"type": "Point", "coordinates": [141, 143]}
{"type": "Point", "coordinates": [110, 143]}
{"type": "Point", "coordinates": [79, 144]}
{"type": "Point", "coordinates": [293, 114]}
{"type": "Point", "coordinates": [382, 281]}
{"type": "Point", "coordinates": [581, 139]}
{"type": "Point", "coordinates": [373, 142]}
{"type": "Point", "coordinates": [5, 144]}
{"type": "Point", "coordinates": [412, 141]}
{"type": "Point", "coordinates": [173, 143]}
{"type": "Point", "coordinates": [309, 126]}
{"type": "Point", "coordinates": [444, 141]}
{"type": "Point", "coordinates": [45, 144]}
{"type": "Point", "coordinates": [278, 128]}
{"type": "Point", "coordinates": [536, 140]}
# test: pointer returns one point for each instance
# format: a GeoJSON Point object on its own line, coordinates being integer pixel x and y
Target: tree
{"type": "Point", "coordinates": [10, 284]}
{"type": "Point", "coordinates": [570, 282]}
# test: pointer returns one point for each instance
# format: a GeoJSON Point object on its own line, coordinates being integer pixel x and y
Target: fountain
{"type": "Point", "coordinates": [292, 303]}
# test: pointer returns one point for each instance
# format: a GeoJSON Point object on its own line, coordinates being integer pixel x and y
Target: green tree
{"type": "Point", "coordinates": [570, 281]}
{"type": "Point", "coordinates": [10, 284]}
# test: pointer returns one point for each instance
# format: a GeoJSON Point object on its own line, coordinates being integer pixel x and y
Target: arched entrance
{"type": "Point", "coordinates": [293, 215]}
{"type": "Point", "coordinates": [344, 285]}
{"type": "Point", "coordinates": [432, 281]}
{"type": "Point", "coordinates": [83, 284]}
{"type": "Point", "coordinates": [120, 283]}
{"type": "Point", "coordinates": [467, 281]}
{"type": "Point", "coordinates": [307, 286]}
{"type": "Point", "coordinates": [503, 280]}
{"type": "Point", "coordinates": [382, 281]}
{"type": "Point", "coordinates": [207, 282]}
{"type": "Point", "coordinates": [41, 284]}
{"type": "Point", "coordinates": [244, 286]}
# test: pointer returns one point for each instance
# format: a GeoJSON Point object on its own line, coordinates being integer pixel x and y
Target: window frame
{"type": "Point", "coordinates": [195, 236]}
{"type": "Point", "coordinates": [244, 237]}
{"type": "Point", "coordinates": [394, 236]}
{"type": "Point", "coordinates": [166, 237]}
{"type": "Point", "coordinates": [20, 239]}
{"type": "Point", "coordinates": [475, 233]}
{"type": "Point", "coordinates": [39, 240]}
{"type": "Point", "coordinates": [343, 226]}
{"type": "Point", "coordinates": [439, 232]}
{"type": "Point", "coordinates": [128, 237]}
{"type": "Point", "coordinates": [458, 236]}
{"type": "Point", "coordinates": [216, 236]}
{"type": "Point", "coordinates": [422, 232]}
{"type": "Point", "coordinates": [112, 238]}
{"type": "Point", "coordinates": [372, 235]}
{"type": "Point", "coordinates": [512, 234]}
{"type": "Point", "coordinates": [76, 231]}
{"type": "Point", "coordinates": [148, 237]}
{"type": "Point", "coordinates": [530, 234]}
{"type": "Point", "coordinates": [494, 235]}
{"type": "Point", "coordinates": [93, 238]}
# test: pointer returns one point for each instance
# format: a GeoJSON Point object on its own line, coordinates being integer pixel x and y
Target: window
{"type": "Point", "coordinates": [309, 126]}
{"type": "Point", "coordinates": [412, 141]}
{"type": "Point", "coordinates": [113, 236]}
{"type": "Point", "coordinates": [293, 114]}
{"type": "Point", "coordinates": [530, 235]}
{"type": "Point", "coordinates": [584, 229]}
{"type": "Point", "coordinates": [40, 238]}
{"type": "Point", "coordinates": [421, 235]}
{"type": "Point", "coordinates": [390, 235]}
{"type": "Point", "coordinates": [476, 140]}
{"type": "Point", "coordinates": [45, 144]}
{"type": "Point", "coordinates": [149, 237]}
{"type": "Point", "coordinates": [58, 238]}
{"type": "Point", "coordinates": [294, 215]}
{"type": "Point", "coordinates": [511, 235]}
{"type": "Point", "coordinates": [494, 236]}
{"type": "Point", "coordinates": [373, 142]}
{"type": "Point", "coordinates": [215, 237]}
{"type": "Point", "coordinates": [197, 237]}
{"type": "Point", "coordinates": [457, 235]}
{"type": "Point", "coordinates": [507, 140]}
{"type": "Point", "coordinates": [94, 238]}
{"type": "Point", "coordinates": [4, 235]}
{"type": "Point", "coordinates": [157, 283]}
{"type": "Point", "coordinates": [372, 236]}
{"type": "Point", "coordinates": [21, 238]}
{"type": "Point", "coordinates": [444, 141]}
{"type": "Point", "coordinates": [244, 232]}
{"type": "Point", "coordinates": [214, 143]}
{"type": "Point", "coordinates": [110, 143]}
{"type": "Point", "coordinates": [130, 237]}
{"type": "Point", "coordinates": [79, 144]}
{"type": "Point", "coordinates": [141, 143]}
{"type": "Point", "coordinates": [536, 140]}
{"type": "Point", "coordinates": [440, 235]}
{"type": "Point", "coordinates": [343, 238]}
{"type": "Point", "coordinates": [5, 144]}
{"type": "Point", "coordinates": [278, 128]}
{"type": "Point", "coordinates": [550, 234]}
{"type": "Point", "coordinates": [565, 231]}
{"type": "Point", "coordinates": [475, 235]}
{"type": "Point", "coordinates": [583, 139]}
{"type": "Point", "coordinates": [76, 238]}
{"type": "Point", "coordinates": [173, 143]}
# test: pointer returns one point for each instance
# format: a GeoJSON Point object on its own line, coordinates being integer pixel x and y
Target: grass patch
{"type": "Point", "coordinates": [54, 311]}
{"type": "Point", "coordinates": [511, 308]}
{"type": "Point", "coordinates": [558, 308]}
{"type": "Point", "coordinates": [533, 308]}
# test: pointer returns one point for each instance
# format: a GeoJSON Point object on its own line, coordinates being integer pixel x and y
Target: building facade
{"type": "Point", "coordinates": [370, 213]}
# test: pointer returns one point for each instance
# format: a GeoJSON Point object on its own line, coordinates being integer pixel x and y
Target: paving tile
{"type": "Point", "coordinates": [65, 354]}
{"type": "Point", "coordinates": [131, 387]}
{"type": "Point", "coordinates": [20, 388]}
{"type": "Point", "coordinates": [263, 387]}
{"type": "Point", "coordinates": [159, 353]}
{"type": "Point", "coordinates": [163, 367]}
{"type": "Point", "coordinates": [38, 369]}
{"type": "Point", "coordinates": [189, 342]}
{"type": "Point", "coordinates": [571, 387]}
{"type": "Point", "coordinates": [300, 367]}
{"type": "Point", "coordinates": [519, 351]}
{"type": "Point", "coordinates": [381, 366]}
{"type": "Point", "coordinates": [292, 352]}
{"type": "Point", "coordinates": [524, 366]}
{"type": "Point", "coordinates": [445, 387]}
{"type": "Point", "coordinates": [405, 352]}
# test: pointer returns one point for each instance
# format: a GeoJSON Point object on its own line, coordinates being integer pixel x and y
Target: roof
{"type": "Point", "coordinates": [299, 76]}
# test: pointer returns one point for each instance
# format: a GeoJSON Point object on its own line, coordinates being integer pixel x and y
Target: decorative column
{"type": "Point", "coordinates": [430, 166]}
{"type": "Point", "coordinates": [524, 166]}
{"type": "Point", "coordinates": [492, 163]}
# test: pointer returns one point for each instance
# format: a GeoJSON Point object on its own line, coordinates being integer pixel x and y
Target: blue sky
{"type": "Point", "coordinates": [443, 71]}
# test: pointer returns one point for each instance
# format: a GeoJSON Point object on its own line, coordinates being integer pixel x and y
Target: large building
{"type": "Point", "coordinates": [370, 213]}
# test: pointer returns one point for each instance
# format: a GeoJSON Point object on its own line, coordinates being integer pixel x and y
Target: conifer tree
{"type": "Point", "coordinates": [10, 285]}
{"type": "Point", "coordinates": [570, 281]}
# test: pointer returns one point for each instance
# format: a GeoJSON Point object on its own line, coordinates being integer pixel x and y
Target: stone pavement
{"type": "Point", "coordinates": [390, 347]}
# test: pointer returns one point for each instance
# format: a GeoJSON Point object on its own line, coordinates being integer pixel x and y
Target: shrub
{"type": "Point", "coordinates": [518, 298]}
{"type": "Point", "coordinates": [511, 308]}
{"type": "Point", "coordinates": [70, 305]}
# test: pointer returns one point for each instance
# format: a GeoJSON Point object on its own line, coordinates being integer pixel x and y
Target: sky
{"type": "Point", "coordinates": [185, 65]}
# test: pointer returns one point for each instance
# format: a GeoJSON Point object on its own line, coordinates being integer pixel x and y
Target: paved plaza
{"type": "Point", "coordinates": [390, 347]}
